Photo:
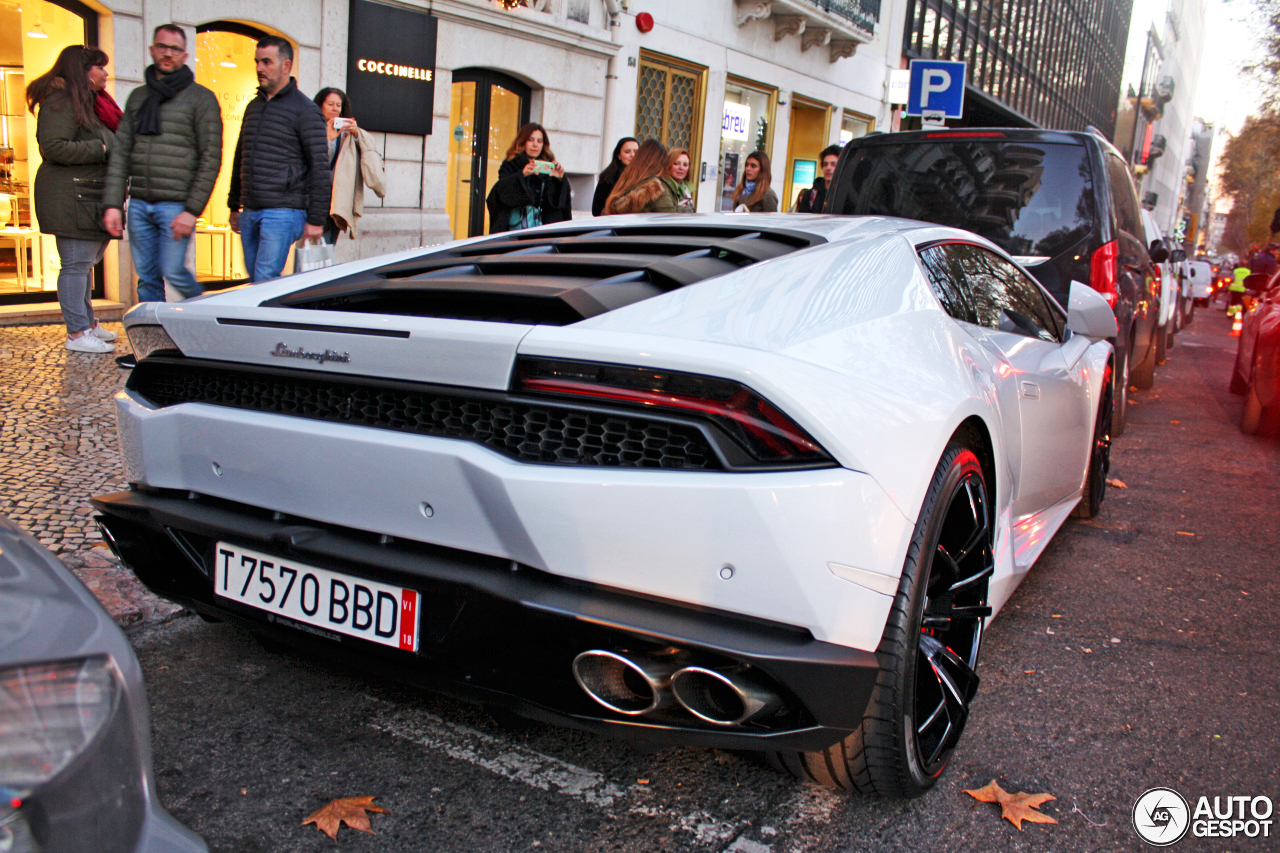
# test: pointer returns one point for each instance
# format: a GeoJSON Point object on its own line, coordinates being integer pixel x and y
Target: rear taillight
{"type": "Point", "coordinates": [752, 421]}
{"type": "Point", "coordinates": [1104, 272]}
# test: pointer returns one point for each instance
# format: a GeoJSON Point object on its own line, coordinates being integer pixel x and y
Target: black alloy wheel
{"type": "Point", "coordinates": [929, 650]}
{"type": "Point", "coordinates": [1095, 482]}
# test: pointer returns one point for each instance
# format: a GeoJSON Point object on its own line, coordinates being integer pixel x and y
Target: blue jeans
{"type": "Point", "coordinates": [75, 280]}
{"type": "Point", "coordinates": [267, 235]}
{"type": "Point", "coordinates": [157, 256]}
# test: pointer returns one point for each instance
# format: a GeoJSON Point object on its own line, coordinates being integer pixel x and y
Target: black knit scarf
{"type": "Point", "coordinates": [163, 88]}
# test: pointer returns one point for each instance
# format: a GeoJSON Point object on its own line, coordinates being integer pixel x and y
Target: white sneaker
{"type": "Point", "coordinates": [89, 343]}
{"type": "Point", "coordinates": [102, 334]}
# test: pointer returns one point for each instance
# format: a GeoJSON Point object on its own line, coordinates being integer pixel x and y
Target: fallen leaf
{"type": "Point", "coordinates": [1175, 422]}
{"type": "Point", "coordinates": [1183, 533]}
{"type": "Point", "coordinates": [1087, 651]}
{"type": "Point", "coordinates": [1028, 671]}
{"type": "Point", "coordinates": [1119, 484]}
{"type": "Point", "coordinates": [349, 810]}
{"type": "Point", "coordinates": [1014, 807]}
{"type": "Point", "coordinates": [1055, 615]}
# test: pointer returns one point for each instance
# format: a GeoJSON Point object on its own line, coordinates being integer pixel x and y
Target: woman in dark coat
{"type": "Point", "coordinates": [75, 128]}
{"type": "Point", "coordinates": [623, 153]}
{"type": "Point", "coordinates": [531, 189]}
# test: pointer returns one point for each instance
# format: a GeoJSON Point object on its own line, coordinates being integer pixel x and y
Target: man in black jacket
{"type": "Point", "coordinates": [280, 174]}
{"type": "Point", "coordinates": [812, 199]}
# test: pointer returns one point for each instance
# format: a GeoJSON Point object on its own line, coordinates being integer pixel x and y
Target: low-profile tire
{"type": "Point", "coordinates": [929, 651]}
{"type": "Point", "coordinates": [1163, 336]}
{"type": "Point", "coordinates": [1095, 481]}
{"type": "Point", "coordinates": [1252, 417]}
{"type": "Point", "coordinates": [1143, 375]}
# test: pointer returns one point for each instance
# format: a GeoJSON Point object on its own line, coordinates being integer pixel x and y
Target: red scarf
{"type": "Point", "coordinates": [108, 110]}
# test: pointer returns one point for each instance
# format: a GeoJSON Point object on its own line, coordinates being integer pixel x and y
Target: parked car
{"type": "Point", "coordinates": [1166, 274]}
{"type": "Point", "coordinates": [675, 478]}
{"type": "Point", "coordinates": [1063, 204]}
{"type": "Point", "coordinates": [1256, 373]}
{"type": "Point", "coordinates": [75, 742]}
{"type": "Point", "coordinates": [1203, 281]}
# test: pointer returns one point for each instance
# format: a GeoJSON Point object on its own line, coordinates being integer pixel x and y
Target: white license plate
{"type": "Point", "coordinates": [336, 602]}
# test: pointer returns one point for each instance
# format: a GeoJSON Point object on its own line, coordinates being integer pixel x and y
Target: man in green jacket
{"type": "Point", "coordinates": [168, 150]}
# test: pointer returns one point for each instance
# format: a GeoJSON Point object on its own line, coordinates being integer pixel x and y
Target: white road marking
{"type": "Point", "coordinates": [548, 773]}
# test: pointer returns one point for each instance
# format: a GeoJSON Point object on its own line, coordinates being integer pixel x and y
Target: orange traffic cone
{"type": "Point", "coordinates": [1237, 323]}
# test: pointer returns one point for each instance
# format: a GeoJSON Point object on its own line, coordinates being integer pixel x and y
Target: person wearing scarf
{"type": "Point", "coordinates": [168, 152]}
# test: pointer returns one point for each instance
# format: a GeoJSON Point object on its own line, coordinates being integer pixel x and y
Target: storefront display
{"type": "Point", "coordinates": [31, 37]}
{"type": "Point", "coordinates": [747, 126]}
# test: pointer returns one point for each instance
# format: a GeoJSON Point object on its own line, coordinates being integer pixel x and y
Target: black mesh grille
{"type": "Point", "coordinates": [524, 430]}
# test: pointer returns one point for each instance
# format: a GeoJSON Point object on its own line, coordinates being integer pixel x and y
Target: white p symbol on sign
{"type": "Point", "coordinates": [934, 80]}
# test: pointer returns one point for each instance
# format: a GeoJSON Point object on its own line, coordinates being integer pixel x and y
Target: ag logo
{"type": "Point", "coordinates": [1161, 817]}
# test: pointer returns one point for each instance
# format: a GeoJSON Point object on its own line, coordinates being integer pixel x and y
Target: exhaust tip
{"type": "Point", "coordinates": [720, 698]}
{"type": "Point", "coordinates": [627, 685]}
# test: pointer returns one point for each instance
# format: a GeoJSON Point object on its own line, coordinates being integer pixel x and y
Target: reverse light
{"type": "Point", "coordinates": [149, 339]}
{"type": "Point", "coordinates": [1104, 272]}
{"type": "Point", "coordinates": [49, 713]}
{"type": "Point", "coordinates": [763, 430]}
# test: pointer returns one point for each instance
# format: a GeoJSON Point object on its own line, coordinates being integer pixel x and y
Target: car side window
{"type": "Point", "coordinates": [1002, 296]}
{"type": "Point", "coordinates": [947, 278]}
{"type": "Point", "coordinates": [1124, 197]}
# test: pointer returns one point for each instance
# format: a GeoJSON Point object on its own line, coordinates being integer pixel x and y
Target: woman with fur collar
{"type": "Point", "coordinates": [641, 187]}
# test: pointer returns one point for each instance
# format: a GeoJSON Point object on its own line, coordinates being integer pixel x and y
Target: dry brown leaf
{"type": "Point", "coordinates": [1014, 807]}
{"type": "Point", "coordinates": [1183, 533]}
{"type": "Point", "coordinates": [1118, 484]}
{"type": "Point", "coordinates": [349, 810]}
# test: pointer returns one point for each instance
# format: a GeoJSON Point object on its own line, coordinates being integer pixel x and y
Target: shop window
{"type": "Point", "coordinates": [746, 126]}
{"type": "Point", "coordinates": [36, 32]}
{"type": "Point", "coordinates": [669, 103]}
{"type": "Point", "coordinates": [853, 125]}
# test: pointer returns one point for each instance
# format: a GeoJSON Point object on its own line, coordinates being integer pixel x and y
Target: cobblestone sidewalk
{"type": "Point", "coordinates": [57, 449]}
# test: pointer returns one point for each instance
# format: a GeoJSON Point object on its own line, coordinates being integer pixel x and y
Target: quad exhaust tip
{"type": "Point", "coordinates": [641, 683]}
{"type": "Point", "coordinates": [625, 683]}
{"type": "Point", "coordinates": [722, 697]}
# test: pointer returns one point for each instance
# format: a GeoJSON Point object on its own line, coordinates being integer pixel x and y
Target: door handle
{"type": "Point", "coordinates": [1030, 390]}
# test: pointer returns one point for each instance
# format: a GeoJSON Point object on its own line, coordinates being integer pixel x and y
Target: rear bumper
{"type": "Point", "coordinates": [496, 631]}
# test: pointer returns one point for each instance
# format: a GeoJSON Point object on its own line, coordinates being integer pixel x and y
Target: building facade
{"type": "Point", "coordinates": [1155, 120]}
{"type": "Point", "coordinates": [721, 78]}
{"type": "Point", "coordinates": [792, 76]}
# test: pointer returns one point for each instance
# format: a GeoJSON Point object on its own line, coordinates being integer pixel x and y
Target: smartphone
{"type": "Point", "coordinates": [543, 167]}
{"type": "Point", "coordinates": [339, 123]}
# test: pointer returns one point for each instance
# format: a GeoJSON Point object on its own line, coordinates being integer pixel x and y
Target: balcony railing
{"type": "Point", "coordinates": [864, 14]}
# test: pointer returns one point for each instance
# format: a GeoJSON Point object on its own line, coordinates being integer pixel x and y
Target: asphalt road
{"type": "Point", "coordinates": [1139, 652]}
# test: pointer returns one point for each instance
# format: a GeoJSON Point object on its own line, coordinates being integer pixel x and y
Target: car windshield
{"type": "Point", "coordinates": [1028, 198]}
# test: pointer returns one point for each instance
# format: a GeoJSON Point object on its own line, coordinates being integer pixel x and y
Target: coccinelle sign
{"type": "Point", "coordinates": [391, 61]}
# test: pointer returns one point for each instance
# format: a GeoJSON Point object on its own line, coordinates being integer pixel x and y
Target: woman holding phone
{"type": "Point", "coordinates": [531, 189]}
{"type": "Point", "coordinates": [353, 161]}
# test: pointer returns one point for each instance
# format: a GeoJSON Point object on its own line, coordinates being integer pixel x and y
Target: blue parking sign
{"type": "Point", "coordinates": [936, 87]}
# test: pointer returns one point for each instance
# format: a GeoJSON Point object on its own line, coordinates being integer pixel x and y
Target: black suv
{"type": "Point", "coordinates": [1062, 203]}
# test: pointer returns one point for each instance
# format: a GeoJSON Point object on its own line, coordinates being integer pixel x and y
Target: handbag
{"type": "Point", "coordinates": [529, 216]}
{"type": "Point", "coordinates": [312, 255]}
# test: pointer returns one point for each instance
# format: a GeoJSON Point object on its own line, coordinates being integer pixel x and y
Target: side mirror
{"type": "Point", "coordinates": [1256, 282]}
{"type": "Point", "coordinates": [1088, 314]}
{"type": "Point", "coordinates": [1159, 254]}
{"type": "Point", "coordinates": [1193, 272]}
{"type": "Point", "coordinates": [1178, 255]}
